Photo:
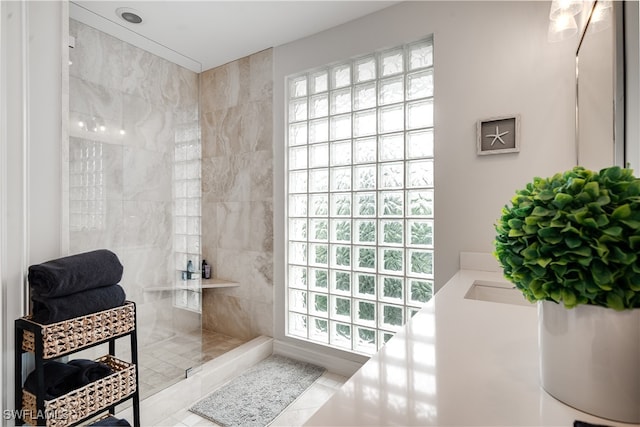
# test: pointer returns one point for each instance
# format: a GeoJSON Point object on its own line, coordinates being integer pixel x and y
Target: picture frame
{"type": "Point", "coordinates": [498, 135]}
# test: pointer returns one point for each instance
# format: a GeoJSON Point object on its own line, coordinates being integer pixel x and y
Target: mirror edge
{"type": "Point", "coordinates": [618, 10]}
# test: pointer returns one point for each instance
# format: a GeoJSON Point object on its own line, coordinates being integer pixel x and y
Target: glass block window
{"type": "Point", "coordinates": [87, 194]}
{"type": "Point", "coordinates": [360, 203]}
{"type": "Point", "coordinates": [187, 217]}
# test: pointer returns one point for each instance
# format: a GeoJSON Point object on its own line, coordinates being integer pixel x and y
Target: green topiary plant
{"type": "Point", "coordinates": [574, 239]}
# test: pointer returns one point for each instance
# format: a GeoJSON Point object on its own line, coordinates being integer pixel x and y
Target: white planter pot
{"type": "Point", "coordinates": [590, 359]}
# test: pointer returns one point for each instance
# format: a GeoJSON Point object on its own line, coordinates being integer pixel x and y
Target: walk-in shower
{"type": "Point", "coordinates": [134, 187]}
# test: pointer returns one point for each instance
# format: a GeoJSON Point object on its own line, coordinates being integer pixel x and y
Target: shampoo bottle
{"type": "Point", "coordinates": [190, 269]}
{"type": "Point", "coordinates": [206, 270]}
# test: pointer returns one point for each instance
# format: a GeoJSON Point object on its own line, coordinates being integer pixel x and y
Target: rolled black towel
{"type": "Point", "coordinates": [75, 273]}
{"type": "Point", "coordinates": [52, 310]}
{"type": "Point", "coordinates": [111, 421]}
{"type": "Point", "coordinates": [577, 423]}
{"type": "Point", "coordinates": [59, 379]}
{"type": "Point", "coordinates": [90, 370]}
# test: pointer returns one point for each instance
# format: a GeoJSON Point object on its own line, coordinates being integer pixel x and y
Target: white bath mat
{"type": "Point", "coordinates": [256, 397]}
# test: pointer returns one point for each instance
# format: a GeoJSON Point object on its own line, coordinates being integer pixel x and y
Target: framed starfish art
{"type": "Point", "coordinates": [498, 135]}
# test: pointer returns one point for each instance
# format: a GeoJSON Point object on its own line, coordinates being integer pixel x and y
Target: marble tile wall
{"type": "Point", "coordinates": [128, 108]}
{"type": "Point", "coordinates": [237, 205]}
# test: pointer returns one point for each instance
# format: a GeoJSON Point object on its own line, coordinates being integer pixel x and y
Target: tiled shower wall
{"type": "Point", "coordinates": [129, 110]}
{"type": "Point", "coordinates": [237, 205]}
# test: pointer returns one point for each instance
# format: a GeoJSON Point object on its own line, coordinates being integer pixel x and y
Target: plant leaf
{"type": "Point", "coordinates": [541, 211]}
{"type": "Point", "coordinates": [569, 298]}
{"type": "Point", "coordinates": [601, 275]}
{"type": "Point", "coordinates": [615, 231]}
{"type": "Point", "coordinates": [561, 200]}
{"type": "Point", "coordinates": [592, 189]}
{"type": "Point", "coordinates": [615, 301]}
{"type": "Point", "coordinates": [634, 242]}
{"type": "Point", "coordinates": [621, 212]}
{"type": "Point", "coordinates": [572, 242]}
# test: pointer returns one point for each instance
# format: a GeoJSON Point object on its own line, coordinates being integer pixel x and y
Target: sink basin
{"type": "Point", "coordinates": [502, 292]}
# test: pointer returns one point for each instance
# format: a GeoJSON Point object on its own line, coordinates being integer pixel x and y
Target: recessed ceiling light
{"type": "Point", "coordinates": [132, 16]}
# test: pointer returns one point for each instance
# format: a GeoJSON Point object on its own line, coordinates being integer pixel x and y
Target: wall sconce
{"type": "Point", "coordinates": [563, 19]}
{"type": "Point", "coordinates": [563, 7]}
{"type": "Point", "coordinates": [600, 19]}
{"type": "Point", "coordinates": [562, 28]}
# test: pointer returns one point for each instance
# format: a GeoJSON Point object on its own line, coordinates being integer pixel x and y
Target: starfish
{"type": "Point", "coordinates": [497, 137]}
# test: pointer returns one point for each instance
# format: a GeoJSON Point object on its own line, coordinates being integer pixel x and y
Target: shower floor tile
{"type": "Point", "coordinates": [165, 363]}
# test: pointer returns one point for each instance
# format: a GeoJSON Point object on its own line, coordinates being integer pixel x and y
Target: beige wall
{"type": "Point", "coordinates": [237, 204]}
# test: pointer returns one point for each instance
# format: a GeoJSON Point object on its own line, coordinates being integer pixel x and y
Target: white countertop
{"type": "Point", "coordinates": [458, 362]}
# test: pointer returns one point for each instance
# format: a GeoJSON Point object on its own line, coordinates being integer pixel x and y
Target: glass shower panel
{"type": "Point", "coordinates": [134, 188]}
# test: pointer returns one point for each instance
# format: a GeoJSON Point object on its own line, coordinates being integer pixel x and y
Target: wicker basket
{"type": "Point", "coordinates": [84, 401]}
{"type": "Point", "coordinates": [69, 335]}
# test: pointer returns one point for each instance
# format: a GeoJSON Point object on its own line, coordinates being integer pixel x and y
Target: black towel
{"type": "Point", "coordinates": [52, 310]}
{"type": "Point", "coordinates": [59, 379]}
{"type": "Point", "coordinates": [577, 423]}
{"type": "Point", "coordinates": [75, 273]}
{"type": "Point", "coordinates": [111, 421]}
{"type": "Point", "coordinates": [90, 370]}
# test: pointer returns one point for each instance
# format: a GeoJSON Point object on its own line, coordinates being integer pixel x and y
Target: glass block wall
{"type": "Point", "coordinates": [87, 195]}
{"type": "Point", "coordinates": [360, 197]}
{"type": "Point", "coordinates": [187, 198]}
